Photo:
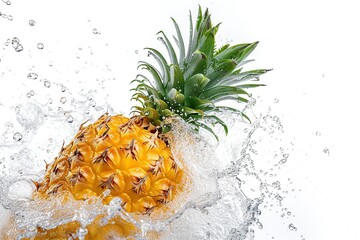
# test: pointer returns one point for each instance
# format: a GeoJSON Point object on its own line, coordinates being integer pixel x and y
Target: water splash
{"type": "Point", "coordinates": [215, 207]}
{"type": "Point", "coordinates": [230, 188]}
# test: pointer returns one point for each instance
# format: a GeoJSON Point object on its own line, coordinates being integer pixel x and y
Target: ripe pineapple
{"type": "Point", "coordinates": [131, 157]}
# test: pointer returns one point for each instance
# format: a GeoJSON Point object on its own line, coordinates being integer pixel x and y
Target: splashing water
{"type": "Point", "coordinates": [223, 203]}
{"type": "Point", "coordinates": [233, 181]}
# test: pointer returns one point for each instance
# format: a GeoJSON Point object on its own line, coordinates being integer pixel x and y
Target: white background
{"type": "Point", "coordinates": [313, 47]}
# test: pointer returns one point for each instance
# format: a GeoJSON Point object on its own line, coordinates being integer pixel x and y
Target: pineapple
{"type": "Point", "coordinates": [131, 158]}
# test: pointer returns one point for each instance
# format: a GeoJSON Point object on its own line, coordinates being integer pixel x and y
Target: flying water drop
{"type": "Point", "coordinates": [17, 137]}
{"type": "Point", "coordinates": [40, 46]}
{"type": "Point", "coordinates": [32, 23]}
{"type": "Point", "coordinates": [47, 84]}
{"type": "Point", "coordinates": [63, 100]}
{"type": "Point", "coordinates": [32, 76]}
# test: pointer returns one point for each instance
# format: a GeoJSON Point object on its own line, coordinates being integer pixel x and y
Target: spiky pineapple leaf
{"type": "Point", "coordinates": [169, 47]}
{"type": "Point", "coordinates": [156, 75]}
{"type": "Point", "coordinates": [180, 43]}
{"type": "Point", "coordinates": [218, 121]}
{"type": "Point", "coordinates": [197, 64]}
{"type": "Point", "coordinates": [220, 91]}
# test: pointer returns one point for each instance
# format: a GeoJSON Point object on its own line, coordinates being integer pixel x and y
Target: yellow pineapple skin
{"type": "Point", "coordinates": [124, 156]}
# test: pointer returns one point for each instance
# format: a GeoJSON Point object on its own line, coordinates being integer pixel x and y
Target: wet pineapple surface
{"type": "Point", "coordinates": [124, 156]}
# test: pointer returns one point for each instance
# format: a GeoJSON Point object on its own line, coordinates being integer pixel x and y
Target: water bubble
{"type": "Point", "coordinates": [63, 100]}
{"type": "Point", "coordinates": [292, 227]}
{"type": "Point", "coordinates": [17, 137]}
{"type": "Point", "coordinates": [63, 88]}
{"type": "Point", "coordinates": [276, 100]}
{"type": "Point", "coordinates": [32, 23]}
{"type": "Point", "coordinates": [95, 31]}
{"type": "Point", "coordinates": [32, 76]}
{"type": "Point", "coordinates": [318, 133]}
{"type": "Point", "coordinates": [70, 119]}
{"type": "Point", "coordinates": [87, 111]}
{"type": "Point", "coordinates": [40, 46]}
{"type": "Point", "coordinates": [136, 51]}
{"type": "Point", "coordinates": [47, 84]}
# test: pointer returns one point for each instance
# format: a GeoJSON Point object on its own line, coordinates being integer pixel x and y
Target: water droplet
{"type": "Point", "coordinates": [95, 31]}
{"type": "Point", "coordinates": [70, 119]}
{"type": "Point", "coordinates": [28, 95]}
{"type": "Point", "coordinates": [292, 227]}
{"type": "Point", "coordinates": [16, 44]}
{"type": "Point", "coordinates": [7, 42]}
{"type": "Point", "coordinates": [50, 140]}
{"type": "Point", "coordinates": [32, 76]}
{"type": "Point", "coordinates": [318, 133]}
{"type": "Point", "coordinates": [278, 197]}
{"type": "Point", "coordinates": [276, 100]}
{"type": "Point", "coordinates": [63, 88]}
{"type": "Point", "coordinates": [40, 46]}
{"type": "Point", "coordinates": [63, 100]}
{"type": "Point", "coordinates": [47, 84]}
{"type": "Point", "coordinates": [87, 111]}
{"type": "Point", "coordinates": [17, 137]}
{"type": "Point", "coordinates": [327, 151]}
{"type": "Point", "coordinates": [92, 103]}
{"type": "Point", "coordinates": [136, 51]}
{"type": "Point", "coordinates": [82, 233]}
{"type": "Point", "coordinates": [15, 40]}
{"type": "Point", "coordinates": [282, 161]}
{"type": "Point", "coordinates": [32, 23]}
{"type": "Point", "coordinates": [19, 48]}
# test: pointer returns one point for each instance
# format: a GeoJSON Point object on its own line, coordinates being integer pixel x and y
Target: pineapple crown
{"type": "Point", "coordinates": [196, 79]}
